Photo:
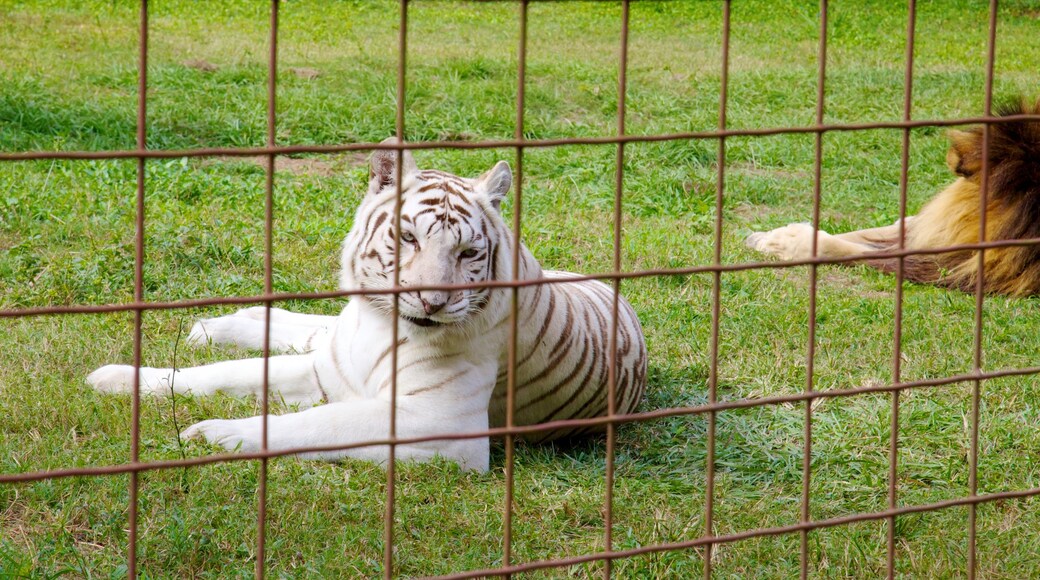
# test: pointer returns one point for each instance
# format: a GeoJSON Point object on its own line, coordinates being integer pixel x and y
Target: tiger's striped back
{"type": "Point", "coordinates": [563, 356]}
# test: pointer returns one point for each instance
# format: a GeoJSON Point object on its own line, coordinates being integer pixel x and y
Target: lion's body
{"type": "Point", "coordinates": [451, 355]}
{"type": "Point", "coordinates": [953, 218]}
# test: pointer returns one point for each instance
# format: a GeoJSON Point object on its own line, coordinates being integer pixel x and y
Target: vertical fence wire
{"type": "Point", "coordinates": [391, 468]}
{"type": "Point", "coordinates": [272, 94]}
{"type": "Point", "coordinates": [135, 424]}
{"type": "Point", "coordinates": [897, 332]}
{"type": "Point", "coordinates": [980, 294]}
{"type": "Point", "coordinates": [619, 185]}
{"type": "Point", "coordinates": [810, 357]}
{"type": "Point", "coordinates": [514, 320]}
{"type": "Point", "coordinates": [716, 299]}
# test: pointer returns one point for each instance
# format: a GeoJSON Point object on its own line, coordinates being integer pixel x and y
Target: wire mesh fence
{"type": "Point", "coordinates": [705, 540]}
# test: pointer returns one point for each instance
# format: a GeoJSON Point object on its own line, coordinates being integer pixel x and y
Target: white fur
{"type": "Point", "coordinates": [342, 355]}
{"type": "Point", "coordinates": [446, 372]}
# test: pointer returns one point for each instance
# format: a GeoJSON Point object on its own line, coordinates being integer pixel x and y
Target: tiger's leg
{"type": "Point", "coordinates": [290, 378]}
{"type": "Point", "coordinates": [246, 328]}
{"type": "Point", "coordinates": [356, 421]}
{"type": "Point", "coordinates": [282, 316]}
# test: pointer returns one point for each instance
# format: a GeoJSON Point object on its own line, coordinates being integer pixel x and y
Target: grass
{"type": "Point", "coordinates": [66, 234]}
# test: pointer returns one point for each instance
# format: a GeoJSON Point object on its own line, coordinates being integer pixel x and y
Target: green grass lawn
{"type": "Point", "coordinates": [68, 81]}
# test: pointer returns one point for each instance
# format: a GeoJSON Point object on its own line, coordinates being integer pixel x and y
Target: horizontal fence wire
{"type": "Point", "coordinates": [507, 143]}
{"type": "Point", "coordinates": [529, 429]}
{"type": "Point", "coordinates": [708, 539]}
{"type": "Point", "coordinates": [647, 273]}
{"type": "Point", "coordinates": [750, 534]}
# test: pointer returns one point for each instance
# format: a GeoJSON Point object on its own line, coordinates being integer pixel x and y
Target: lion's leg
{"type": "Point", "coordinates": [246, 328]}
{"type": "Point", "coordinates": [290, 378]}
{"type": "Point", "coordinates": [356, 421]}
{"type": "Point", "coordinates": [882, 236]}
{"type": "Point", "coordinates": [794, 241]}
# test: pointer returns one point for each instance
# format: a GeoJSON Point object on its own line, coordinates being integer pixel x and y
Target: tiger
{"type": "Point", "coordinates": [452, 345]}
{"type": "Point", "coordinates": [952, 217]}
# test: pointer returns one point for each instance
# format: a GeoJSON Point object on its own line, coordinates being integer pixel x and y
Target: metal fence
{"type": "Point", "coordinates": [706, 541]}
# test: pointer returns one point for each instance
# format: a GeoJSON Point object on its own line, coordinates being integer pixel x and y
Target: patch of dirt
{"type": "Point", "coordinates": [452, 136]}
{"type": "Point", "coordinates": [15, 522]}
{"type": "Point", "coordinates": [753, 170]}
{"type": "Point", "coordinates": [199, 64]}
{"type": "Point", "coordinates": [1024, 12]}
{"type": "Point", "coordinates": [750, 211]}
{"type": "Point", "coordinates": [9, 240]}
{"type": "Point", "coordinates": [326, 166]}
{"type": "Point", "coordinates": [698, 187]}
{"type": "Point", "coordinates": [842, 278]}
{"type": "Point", "coordinates": [305, 73]}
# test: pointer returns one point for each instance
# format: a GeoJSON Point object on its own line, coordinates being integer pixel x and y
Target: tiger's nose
{"type": "Point", "coordinates": [432, 306]}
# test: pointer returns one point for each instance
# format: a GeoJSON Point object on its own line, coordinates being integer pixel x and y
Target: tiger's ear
{"type": "Point", "coordinates": [497, 182]}
{"type": "Point", "coordinates": [383, 171]}
{"type": "Point", "coordinates": [965, 154]}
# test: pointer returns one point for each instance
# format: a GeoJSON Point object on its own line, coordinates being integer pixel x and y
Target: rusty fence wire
{"type": "Point", "coordinates": [708, 540]}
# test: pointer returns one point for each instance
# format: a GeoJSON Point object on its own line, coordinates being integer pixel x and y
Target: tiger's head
{"type": "Point", "coordinates": [451, 233]}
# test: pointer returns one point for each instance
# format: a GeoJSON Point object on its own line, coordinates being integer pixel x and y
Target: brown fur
{"type": "Point", "coordinates": [952, 217]}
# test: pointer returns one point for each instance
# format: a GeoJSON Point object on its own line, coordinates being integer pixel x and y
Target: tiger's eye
{"type": "Point", "coordinates": [470, 253]}
{"type": "Point", "coordinates": [407, 237]}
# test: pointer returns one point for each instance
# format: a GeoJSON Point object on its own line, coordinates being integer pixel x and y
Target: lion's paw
{"type": "Point", "coordinates": [791, 242]}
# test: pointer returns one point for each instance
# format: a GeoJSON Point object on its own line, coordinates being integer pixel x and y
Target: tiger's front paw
{"type": "Point", "coordinates": [231, 434]}
{"type": "Point", "coordinates": [245, 328]}
{"type": "Point", "coordinates": [791, 242]}
{"type": "Point", "coordinates": [119, 379]}
{"type": "Point", "coordinates": [210, 330]}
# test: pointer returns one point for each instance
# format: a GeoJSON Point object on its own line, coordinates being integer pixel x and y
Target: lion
{"type": "Point", "coordinates": [952, 218]}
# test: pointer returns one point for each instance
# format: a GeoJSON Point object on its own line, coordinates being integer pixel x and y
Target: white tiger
{"type": "Point", "coordinates": [452, 353]}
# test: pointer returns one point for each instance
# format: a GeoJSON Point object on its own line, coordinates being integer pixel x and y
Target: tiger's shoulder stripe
{"type": "Point", "coordinates": [567, 377]}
